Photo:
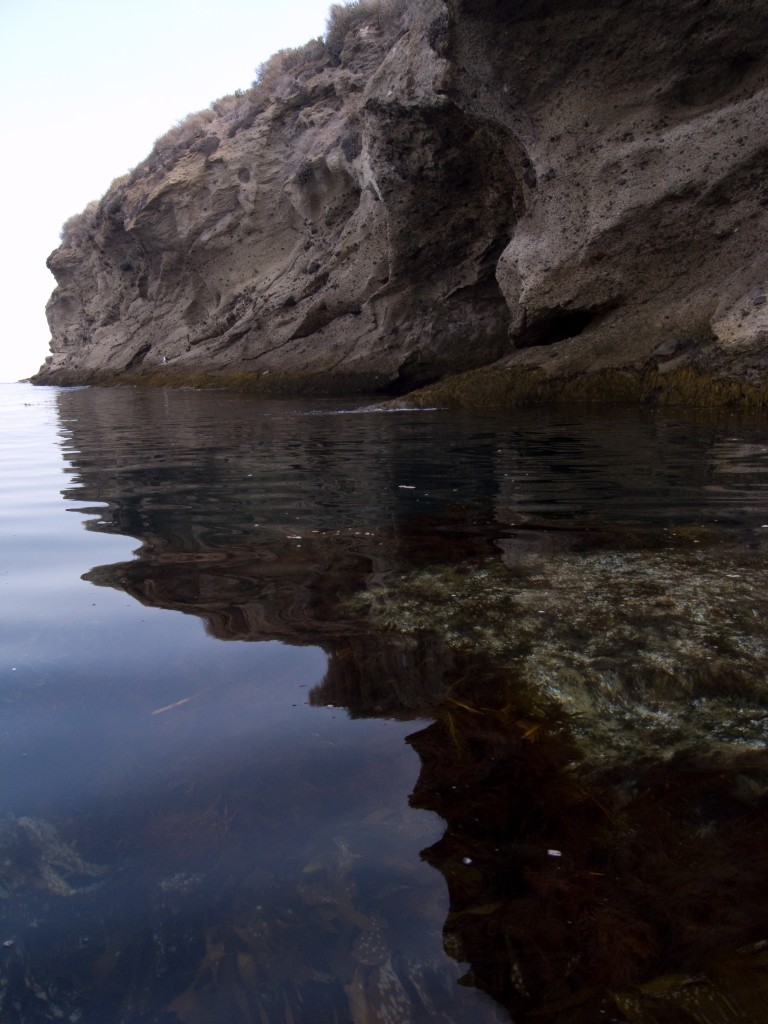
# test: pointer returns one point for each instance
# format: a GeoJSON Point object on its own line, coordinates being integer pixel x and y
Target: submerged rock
{"type": "Point", "coordinates": [34, 856]}
{"type": "Point", "coordinates": [441, 186]}
{"type": "Point", "coordinates": [648, 652]}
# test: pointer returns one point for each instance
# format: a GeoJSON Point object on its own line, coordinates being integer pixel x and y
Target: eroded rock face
{"type": "Point", "coordinates": [569, 186]}
{"type": "Point", "coordinates": [645, 128]}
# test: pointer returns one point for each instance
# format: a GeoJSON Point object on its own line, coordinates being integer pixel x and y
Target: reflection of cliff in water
{"type": "Point", "coordinates": [582, 886]}
{"type": "Point", "coordinates": [639, 893]}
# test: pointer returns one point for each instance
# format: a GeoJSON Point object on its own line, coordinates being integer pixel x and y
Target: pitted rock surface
{"type": "Point", "coordinates": [568, 186]}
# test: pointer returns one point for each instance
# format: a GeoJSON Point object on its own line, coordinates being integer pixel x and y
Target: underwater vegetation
{"type": "Point", "coordinates": [579, 894]}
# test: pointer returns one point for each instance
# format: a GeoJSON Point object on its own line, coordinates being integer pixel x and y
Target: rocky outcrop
{"type": "Point", "coordinates": [568, 187]}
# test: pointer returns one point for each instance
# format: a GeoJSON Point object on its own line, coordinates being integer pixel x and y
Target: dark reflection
{"type": "Point", "coordinates": [637, 893]}
{"type": "Point", "coordinates": [576, 603]}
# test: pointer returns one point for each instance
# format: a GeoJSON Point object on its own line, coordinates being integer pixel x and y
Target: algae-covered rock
{"type": "Point", "coordinates": [647, 651]}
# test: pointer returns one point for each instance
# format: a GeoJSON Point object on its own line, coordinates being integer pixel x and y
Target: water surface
{"type": "Point", "coordinates": [319, 714]}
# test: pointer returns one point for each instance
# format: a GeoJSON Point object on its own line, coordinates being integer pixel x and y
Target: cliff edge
{"type": "Point", "coordinates": [561, 186]}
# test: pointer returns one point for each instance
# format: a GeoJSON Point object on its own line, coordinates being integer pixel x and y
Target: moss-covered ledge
{"type": "Point", "coordinates": [243, 382]}
{"type": "Point", "coordinates": [499, 387]}
{"type": "Point", "coordinates": [486, 388]}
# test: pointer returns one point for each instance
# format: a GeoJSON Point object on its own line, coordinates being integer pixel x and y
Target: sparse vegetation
{"type": "Point", "coordinates": [227, 104]}
{"type": "Point", "coordinates": [284, 61]}
{"type": "Point", "coordinates": [118, 182]}
{"type": "Point", "coordinates": [183, 133]}
{"type": "Point", "coordinates": [168, 148]}
{"type": "Point", "coordinates": [383, 15]}
{"type": "Point", "coordinates": [76, 228]}
{"type": "Point", "coordinates": [244, 105]}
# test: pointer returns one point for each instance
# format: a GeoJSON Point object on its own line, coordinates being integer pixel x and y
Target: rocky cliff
{"type": "Point", "coordinates": [561, 186]}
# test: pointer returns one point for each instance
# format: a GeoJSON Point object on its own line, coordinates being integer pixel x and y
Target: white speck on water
{"type": "Point", "coordinates": [554, 853]}
{"type": "Point", "coordinates": [466, 860]}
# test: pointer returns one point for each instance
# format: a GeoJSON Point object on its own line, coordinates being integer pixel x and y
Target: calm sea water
{"type": "Point", "coordinates": [313, 714]}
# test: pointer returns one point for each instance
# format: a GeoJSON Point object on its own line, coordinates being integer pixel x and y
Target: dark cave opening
{"type": "Point", "coordinates": [555, 325]}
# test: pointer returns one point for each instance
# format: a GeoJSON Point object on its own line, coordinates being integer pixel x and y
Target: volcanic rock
{"type": "Point", "coordinates": [438, 186]}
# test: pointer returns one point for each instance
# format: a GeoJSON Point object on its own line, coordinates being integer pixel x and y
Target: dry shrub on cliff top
{"type": "Point", "coordinates": [284, 61]}
{"type": "Point", "coordinates": [168, 148]}
{"type": "Point", "coordinates": [225, 105]}
{"type": "Point", "coordinates": [383, 15]}
{"type": "Point", "coordinates": [76, 228]}
{"type": "Point", "coordinates": [118, 182]}
{"type": "Point", "coordinates": [183, 133]}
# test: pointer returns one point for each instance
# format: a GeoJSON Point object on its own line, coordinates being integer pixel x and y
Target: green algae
{"type": "Point", "coordinates": [267, 384]}
{"type": "Point", "coordinates": [658, 650]}
{"type": "Point", "coordinates": [488, 388]}
{"type": "Point", "coordinates": [502, 387]}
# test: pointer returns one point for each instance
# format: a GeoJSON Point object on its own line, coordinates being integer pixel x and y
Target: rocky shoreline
{"type": "Point", "coordinates": [504, 203]}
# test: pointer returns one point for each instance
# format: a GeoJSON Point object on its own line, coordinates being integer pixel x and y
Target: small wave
{"type": "Point", "coordinates": [368, 409]}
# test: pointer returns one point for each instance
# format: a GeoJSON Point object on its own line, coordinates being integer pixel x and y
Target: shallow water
{"type": "Point", "coordinates": [464, 719]}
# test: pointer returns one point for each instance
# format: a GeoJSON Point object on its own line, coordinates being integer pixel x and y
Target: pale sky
{"type": "Point", "coordinates": [86, 86]}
